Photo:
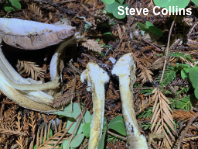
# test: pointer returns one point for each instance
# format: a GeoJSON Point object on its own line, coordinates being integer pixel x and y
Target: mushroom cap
{"type": "Point", "coordinates": [31, 35]}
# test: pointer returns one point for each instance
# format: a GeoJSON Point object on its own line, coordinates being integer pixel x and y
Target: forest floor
{"type": "Point", "coordinates": [165, 95]}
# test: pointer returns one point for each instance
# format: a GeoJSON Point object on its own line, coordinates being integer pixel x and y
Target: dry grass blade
{"type": "Point", "coordinates": [92, 45]}
{"type": "Point", "coordinates": [30, 68]}
{"type": "Point", "coordinates": [162, 120]}
{"type": "Point", "coordinates": [180, 115]}
{"type": "Point", "coordinates": [35, 9]}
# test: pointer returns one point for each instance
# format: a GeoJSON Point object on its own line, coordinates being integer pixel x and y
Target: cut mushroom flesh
{"type": "Point", "coordinates": [125, 70]}
{"type": "Point", "coordinates": [96, 78]}
{"type": "Point", "coordinates": [30, 93]}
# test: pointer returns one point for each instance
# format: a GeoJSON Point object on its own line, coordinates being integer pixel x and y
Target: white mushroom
{"type": "Point", "coordinates": [33, 35]}
{"type": "Point", "coordinates": [96, 78]}
{"type": "Point", "coordinates": [29, 93]}
{"type": "Point", "coordinates": [125, 70]}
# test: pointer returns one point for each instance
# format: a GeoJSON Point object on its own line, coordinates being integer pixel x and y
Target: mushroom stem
{"type": "Point", "coordinates": [27, 92]}
{"type": "Point", "coordinates": [29, 84]}
{"type": "Point", "coordinates": [96, 78]}
{"type": "Point", "coordinates": [24, 99]}
{"type": "Point", "coordinates": [125, 70]}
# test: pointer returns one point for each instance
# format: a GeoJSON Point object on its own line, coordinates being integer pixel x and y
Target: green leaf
{"type": "Point", "coordinates": [35, 146]}
{"type": "Point", "coordinates": [107, 33]}
{"type": "Point", "coordinates": [116, 15]}
{"type": "Point", "coordinates": [141, 26]}
{"type": "Point", "coordinates": [176, 54]}
{"type": "Point", "coordinates": [149, 27]}
{"type": "Point", "coordinates": [15, 3]}
{"type": "Point", "coordinates": [183, 74]}
{"type": "Point", "coordinates": [146, 91]}
{"type": "Point", "coordinates": [106, 2]}
{"type": "Point", "coordinates": [79, 127]}
{"type": "Point", "coordinates": [184, 103]}
{"type": "Point", "coordinates": [65, 142]}
{"type": "Point", "coordinates": [193, 76]}
{"type": "Point", "coordinates": [195, 2]}
{"type": "Point", "coordinates": [148, 24]}
{"type": "Point", "coordinates": [67, 111]}
{"type": "Point", "coordinates": [102, 139]}
{"type": "Point", "coordinates": [86, 129]}
{"type": "Point", "coordinates": [153, 29]}
{"type": "Point", "coordinates": [121, 1]}
{"type": "Point", "coordinates": [167, 3]}
{"type": "Point", "coordinates": [156, 31]}
{"type": "Point", "coordinates": [7, 7]}
{"type": "Point", "coordinates": [77, 140]}
{"type": "Point", "coordinates": [146, 113]}
{"type": "Point", "coordinates": [188, 57]}
{"type": "Point", "coordinates": [196, 92]}
{"type": "Point", "coordinates": [169, 75]}
{"type": "Point", "coordinates": [87, 117]}
{"type": "Point", "coordinates": [111, 7]}
{"type": "Point", "coordinates": [117, 124]}
{"type": "Point", "coordinates": [51, 134]}
{"type": "Point", "coordinates": [186, 69]}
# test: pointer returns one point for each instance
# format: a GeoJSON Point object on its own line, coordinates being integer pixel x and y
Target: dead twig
{"type": "Point", "coordinates": [167, 48]}
{"type": "Point", "coordinates": [116, 135]}
{"type": "Point", "coordinates": [186, 130]}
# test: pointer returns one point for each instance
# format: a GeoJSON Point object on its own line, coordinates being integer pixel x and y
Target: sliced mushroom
{"type": "Point", "coordinates": [31, 35]}
{"type": "Point", "coordinates": [96, 78]}
{"type": "Point", "coordinates": [125, 70]}
{"type": "Point", "coordinates": [29, 93]}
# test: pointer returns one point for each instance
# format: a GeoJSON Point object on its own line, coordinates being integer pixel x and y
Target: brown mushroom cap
{"type": "Point", "coordinates": [31, 35]}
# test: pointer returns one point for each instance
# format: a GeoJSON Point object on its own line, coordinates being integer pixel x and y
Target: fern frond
{"type": "Point", "coordinates": [177, 55]}
{"type": "Point", "coordinates": [30, 68]}
{"type": "Point", "coordinates": [184, 103]}
{"type": "Point", "coordinates": [92, 45]}
{"type": "Point", "coordinates": [169, 75]}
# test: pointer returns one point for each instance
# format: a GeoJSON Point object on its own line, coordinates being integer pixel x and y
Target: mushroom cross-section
{"type": "Point", "coordinates": [96, 78]}
{"type": "Point", "coordinates": [29, 35]}
{"type": "Point", "coordinates": [125, 70]}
